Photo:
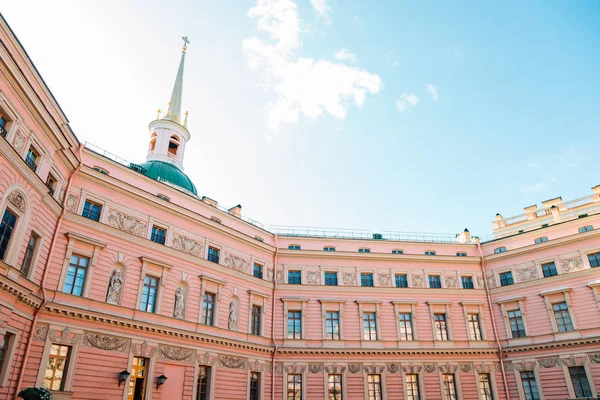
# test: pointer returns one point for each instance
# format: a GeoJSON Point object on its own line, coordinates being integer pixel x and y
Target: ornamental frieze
{"type": "Point", "coordinates": [451, 281]}
{"type": "Point", "coordinates": [491, 280]}
{"type": "Point", "coordinates": [105, 342]}
{"type": "Point", "coordinates": [187, 245]}
{"type": "Point", "coordinates": [429, 367]}
{"type": "Point", "coordinates": [41, 332]}
{"type": "Point", "coordinates": [313, 277]}
{"type": "Point", "coordinates": [572, 264]}
{"type": "Point", "coordinates": [527, 274]}
{"type": "Point", "coordinates": [278, 368]}
{"type": "Point", "coordinates": [349, 278]}
{"type": "Point", "coordinates": [384, 279]}
{"type": "Point", "coordinates": [16, 199]}
{"type": "Point", "coordinates": [236, 262]}
{"type": "Point", "coordinates": [315, 368]}
{"type": "Point", "coordinates": [177, 353]}
{"type": "Point", "coordinates": [548, 362]}
{"type": "Point", "coordinates": [126, 223]}
{"type": "Point", "coordinates": [448, 368]}
{"type": "Point", "coordinates": [18, 140]}
{"type": "Point", "coordinates": [64, 337]}
{"type": "Point", "coordinates": [392, 367]}
{"type": "Point", "coordinates": [335, 369]}
{"type": "Point", "coordinates": [143, 350]}
{"type": "Point", "coordinates": [279, 276]}
{"type": "Point", "coordinates": [355, 368]}
{"type": "Point", "coordinates": [412, 368]}
{"type": "Point", "coordinates": [480, 282]}
{"type": "Point", "coordinates": [72, 202]}
{"type": "Point", "coordinates": [465, 367]}
{"type": "Point", "coordinates": [295, 368]}
{"type": "Point", "coordinates": [417, 280]}
{"type": "Point", "coordinates": [258, 366]}
{"type": "Point", "coordinates": [594, 358]}
{"type": "Point", "coordinates": [206, 359]}
{"type": "Point", "coordinates": [232, 362]}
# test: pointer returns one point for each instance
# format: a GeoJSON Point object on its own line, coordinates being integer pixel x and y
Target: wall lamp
{"type": "Point", "coordinates": [160, 380]}
{"type": "Point", "coordinates": [123, 375]}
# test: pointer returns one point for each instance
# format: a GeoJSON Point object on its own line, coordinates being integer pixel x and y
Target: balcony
{"type": "Point", "coordinates": [91, 214]}
{"type": "Point", "coordinates": [158, 238]}
{"type": "Point", "coordinates": [30, 161]}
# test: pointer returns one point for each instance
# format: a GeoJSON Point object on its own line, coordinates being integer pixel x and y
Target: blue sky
{"type": "Point", "coordinates": [432, 117]}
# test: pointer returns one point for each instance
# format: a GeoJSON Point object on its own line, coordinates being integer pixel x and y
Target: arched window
{"type": "Point", "coordinates": [173, 145]}
{"type": "Point", "coordinates": [14, 215]}
{"type": "Point", "coordinates": [152, 142]}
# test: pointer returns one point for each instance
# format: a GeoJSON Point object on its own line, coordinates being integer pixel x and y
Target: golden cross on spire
{"type": "Point", "coordinates": [185, 43]}
{"type": "Point", "coordinates": [158, 116]}
{"type": "Point", "coordinates": [186, 115]}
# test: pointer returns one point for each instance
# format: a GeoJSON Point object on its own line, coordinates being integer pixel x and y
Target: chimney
{"type": "Point", "coordinates": [210, 201]}
{"type": "Point", "coordinates": [236, 211]}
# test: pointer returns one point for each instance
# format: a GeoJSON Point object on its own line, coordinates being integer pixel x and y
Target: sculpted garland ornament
{"type": "Point", "coordinates": [104, 342]}
{"type": "Point", "coordinates": [232, 362]}
{"type": "Point", "coordinates": [126, 223]}
{"type": "Point", "coordinates": [177, 354]}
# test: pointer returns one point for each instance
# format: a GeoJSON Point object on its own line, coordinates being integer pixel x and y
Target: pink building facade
{"type": "Point", "coordinates": [119, 282]}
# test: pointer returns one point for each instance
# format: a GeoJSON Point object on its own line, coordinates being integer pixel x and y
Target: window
{"type": "Point", "coordinates": [369, 326]}
{"type": "Point", "coordinates": [159, 235]}
{"type": "Point", "coordinates": [401, 281]}
{"type": "Point", "coordinates": [429, 253]}
{"type": "Point", "coordinates": [364, 250]}
{"type": "Point", "coordinates": [334, 388]}
{"type": "Point", "coordinates": [163, 197]}
{"type": "Point", "coordinates": [328, 248]}
{"type": "Point", "coordinates": [208, 309]}
{"type": "Point", "coordinates": [485, 387]}
{"type": "Point", "coordinates": [506, 278]}
{"type": "Point", "coordinates": [374, 383]}
{"type": "Point", "coordinates": [441, 328]}
{"type": "Point", "coordinates": [586, 228]}
{"type": "Point", "coordinates": [76, 275]}
{"type": "Point", "coordinates": [101, 170]}
{"type": "Point", "coordinates": [412, 387]}
{"type": "Point", "coordinates": [474, 327]}
{"type": "Point", "coordinates": [148, 302]}
{"type": "Point", "coordinates": [467, 282]}
{"type": "Point", "coordinates": [29, 252]}
{"type": "Point", "coordinates": [435, 281]}
{"type": "Point", "coordinates": [56, 368]}
{"type": "Point", "coordinates": [294, 325]}
{"type": "Point", "coordinates": [594, 260]}
{"type": "Point", "coordinates": [50, 184]}
{"type": "Point", "coordinates": [332, 325]}
{"type": "Point", "coordinates": [294, 387]}
{"type": "Point", "coordinates": [405, 324]}
{"type": "Point", "coordinates": [31, 158]}
{"type": "Point", "coordinates": [3, 131]}
{"type": "Point", "coordinates": [256, 319]}
{"type": "Point", "coordinates": [215, 219]}
{"type": "Point", "coordinates": [579, 379]}
{"type": "Point", "coordinates": [397, 251]}
{"type": "Point", "coordinates": [366, 279]}
{"type": "Point", "coordinates": [461, 254]}
{"type": "Point", "coordinates": [203, 387]}
{"type": "Point", "coordinates": [173, 145]}
{"type": "Point", "coordinates": [331, 278]}
{"type": "Point", "coordinates": [257, 271]}
{"type": "Point", "coordinates": [92, 210]}
{"type": "Point", "coordinates": [6, 229]}
{"type": "Point", "coordinates": [549, 269]}
{"type": "Point", "coordinates": [259, 238]}
{"type": "Point", "coordinates": [449, 386]}
{"type": "Point", "coordinates": [563, 319]}
{"type": "Point", "coordinates": [530, 388]}
{"type": "Point", "coordinates": [517, 327]}
{"type": "Point", "coordinates": [500, 250]}
{"type": "Point", "coordinates": [254, 385]}
{"type": "Point", "coordinates": [213, 254]}
{"type": "Point", "coordinates": [137, 382]}
{"type": "Point", "coordinates": [4, 351]}
{"type": "Point", "coordinates": [294, 247]}
{"type": "Point", "coordinates": [294, 278]}
{"type": "Point", "coordinates": [541, 240]}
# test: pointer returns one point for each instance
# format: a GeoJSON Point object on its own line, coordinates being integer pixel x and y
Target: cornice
{"type": "Point", "coordinates": [344, 351]}
{"type": "Point", "coordinates": [510, 299]}
{"type": "Point", "coordinates": [551, 345]}
{"type": "Point", "coordinates": [373, 290]}
{"type": "Point", "coordinates": [297, 299]}
{"type": "Point", "coordinates": [329, 240]}
{"type": "Point", "coordinates": [18, 291]}
{"type": "Point", "coordinates": [148, 260]}
{"type": "Point", "coordinates": [211, 279]}
{"type": "Point", "coordinates": [332, 300]}
{"type": "Point", "coordinates": [550, 292]}
{"type": "Point", "coordinates": [84, 239]}
{"type": "Point", "coordinates": [517, 286]}
{"type": "Point", "coordinates": [379, 256]}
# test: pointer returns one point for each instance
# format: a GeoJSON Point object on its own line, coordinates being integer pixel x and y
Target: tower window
{"type": "Point", "coordinates": [173, 145]}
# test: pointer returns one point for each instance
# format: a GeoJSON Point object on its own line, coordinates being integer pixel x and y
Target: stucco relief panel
{"type": "Point", "coordinates": [383, 279]}
{"type": "Point", "coordinates": [16, 199]}
{"type": "Point", "coordinates": [572, 264]}
{"type": "Point", "coordinates": [187, 245]}
{"type": "Point", "coordinates": [176, 354]}
{"type": "Point", "coordinates": [126, 223]}
{"type": "Point", "coordinates": [313, 277]}
{"type": "Point", "coordinates": [527, 274]}
{"type": "Point", "coordinates": [349, 278]}
{"type": "Point", "coordinates": [451, 281]}
{"type": "Point", "coordinates": [236, 262]}
{"type": "Point", "coordinates": [105, 342]}
{"type": "Point", "coordinates": [417, 280]}
{"type": "Point", "coordinates": [72, 202]}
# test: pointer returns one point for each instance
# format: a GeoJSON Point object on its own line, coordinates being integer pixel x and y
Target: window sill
{"type": "Point", "coordinates": [574, 334]}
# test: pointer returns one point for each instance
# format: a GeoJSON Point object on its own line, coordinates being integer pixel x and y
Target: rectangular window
{"type": "Point", "coordinates": [374, 383]}
{"type": "Point", "coordinates": [159, 235]}
{"type": "Point", "coordinates": [516, 324]}
{"type": "Point", "coordinates": [369, 326]}
{"type": "Point", "coordinates": [449, 387]}
{"type": "Point", "coordinates": [401, 281]}
{"type": "Point", "coordinates": [208, 309]}
{"type": "Point", "coordinates": [435, 281]}
{"type": "Point", "coordinates": [594, 260]}
{"type": "Point", "coordinates": [257, 271]}
{"type": "Point", "coordinates": [256, 319]}
{"type": "Point", "coordinates": [29, 251]}
{"type": "Point", "coordinates": [467, 282]}
{"type": "Point", "coordinates": [397, 251]}
{"type": "Point", "coordinates": [587, 228]}
{"type": "Point", "coordinates": [563, 318]}
{"type": "Point", "coordinates": [255, 386]}
{"type": "Point", "coordinates": [549, 269]}
{"type": "Point", "coordinates": [56, 368]}
{"type": "Point", "coordinates": [405, 323]}
{"type": "Point", "coordinates": [294, 247]}
{"type": "Point", "coordinates": [441, 328]}
{"type": "Point", "coordinates": [294, 325]}
{"type": "Point", "coordinates": [579, 379]}
{"type": "Point", "coordinates": [506, 278]}
{"type": "Point", "coordinates": [541, 240]}
{"type": "Point", "coordinates": [91, 210]}
{"type": "Point", "coordinates": [364, 250]}
{"type": "Point", "coordinates": [332, 325]}
{"type": "Point", "coordinates": [474, 327]}
{"type": "Point", "coordinates": [328, 248]}
{"type": "Point", "coordinates": [31, 158]}
{"type": "Point", "coordinates": [76, 275]}
{"type": "Point", "coordinates": [430, 253]}
{"type": "Point", "coordinates": [366, 279]}
{"type": "Point", "coordinates": [485, 387]}
{"type": "Point", "coordinates": [4, 351]}
{"type": "Point", "coordinates": [294, 387]}
{"type": "Point", "coordinates": [213, 254]}
{"type": "Point", "coordinates": [137, 380]}
{"type": "Point", "coordinates": [3, 131]}
{"type": "Point", "coordinates": [148, 301]}
{"type": "Point", "coordinates": [412, 387]}
{"type": "Point", "coordinates": [461, 254]}
{"type": "Point", "coordinates": [334, 388]}
{"type": "Point", "coordinates": [331, 278]}
{"type": "Point", "coordinates": [500, 250]}
{"type": "Point", "coordinates": [530, 388]}
{"type": "Point", "coordinates": [50, 184]}
{"type": "Point", "coordinates": [203, 388]}
{"type": "Point", "coordinates": [7, 227]}
{"type": "Point", "coordinates": [294, 278]}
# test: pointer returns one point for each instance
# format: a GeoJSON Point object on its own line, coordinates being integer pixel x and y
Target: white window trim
{"type": "Point", "coordinates": [203, 283]}
{"type": "Point", "coordinates": [513, 273]}
{"type": "Point", "coordinates": [595, 286]}
{"type": "Point", "coordinates": [457, 385]}
{"type": "Point", "coordinates": [10, 354]}
{"type": "Point", "coordinates": [286, 372]}
{"type": "Point", "coordinates": [382, 382]}
{"type": "Point", "coordinates": [493, 386]}
{"type": "Point", "coordinates": [588, 375]}
{"type": "Point", "coordinates": [394, 272]}
{"type": "Point", "coordinates": [547, 260]}
{"type": "Point", "coordinates": [286, 308]}
{"type": "Point", "coordinates": [520, 300]}
{"type": "Point", "coordinates": [36, 253]}
{"type": "Point", "coordinates": [287, 269]}
{"type": "Point", "coordinates": [257, 299]}
{"type": "Point", "coordinates": [329, 305]}
{"type": "Point", "coordinates": [471, 275]}
{"type": "Point", "coordinates": [435, 273]}
{"type": "Point", "coordinates": [566, 298]}
{"type": "Point", "coordinates": [74, 238]}
{"type": "Point", "coordinates": [361, 312]}
{"type": "Point", "coordinates": [337, 270]}
{"type": "Point", "coordinates": [152, 222]}
{"type": "Point", "coordinates": [211, 383]}
{"type": "Point", "coordinates": [216, 246]}
{"type": "Point", "coordinates": [15, 243]}
{"type": "Point", "coordinates": [401, 306]}
{"type": "Point", "coordinates": [162, 276]}
{"type": "Point", "coordinates": [85, 196]}
{"type": "Point", "coordinates": [468, 307]}
{"type": "Point", "coordinates": [72, 361]}
{"type": "Point", "coordinates": [432, 311]}
{"type": "Point", "coordinates": [16, 120]}
{"type": "Point", "coordinates": [261, 383]}
{"type": "Point", "coordinates": [520, 382]}
{"type": "Point", "coordinates": [420, 381]}
{"type": "Point", "coordinates": [339, 371]}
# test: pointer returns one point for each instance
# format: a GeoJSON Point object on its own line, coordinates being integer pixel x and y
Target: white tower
{"type": "Point", "coordinates": [168, 136]}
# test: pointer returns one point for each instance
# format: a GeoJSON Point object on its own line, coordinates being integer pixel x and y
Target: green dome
{"type": "Point", "coordinates": [165, 172]}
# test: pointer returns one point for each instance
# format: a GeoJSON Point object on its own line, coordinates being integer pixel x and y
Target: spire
{"type": "Point", "coordinates": [174, 112]}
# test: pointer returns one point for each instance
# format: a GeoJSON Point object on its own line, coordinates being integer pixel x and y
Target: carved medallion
{"type": "Point", "coordinates": [392, 367]}
{"type": "Point", "coordinates": [417, 280]}
{"type": "Point", "coordinates": [278, 368]}
{"type": "Point", "coordinates": [527, 274]}
{"type": "Point", "coordinates": [384, 279]}
{"type": "Point", "coordinates": [18, 140]}
{"type": "Point", "coordinates": [232, 362]}
{"type": "Point", "coordinates": [571, 264]}
{"type": "Point", "coordinates": [187, 245]}
{"type": "Point", "coordinates": [349, 278]}
{"type": "Point", "coordinates": [315, 368]}
{"type": "Point", "coordinates": [429, 367]}
{"type": "Point", "coordinates": [41, 331]}
{"type": "Point", "coordinates": [465, 367]}
{"type": "Point", "coordinates": [312, 277]}
{"type": "Point", "coordinates": [16, 199]}
{"type": "Point", "coordinates": [355, 368]}
{"type": "Point", "coordinates": [126, 223]}
{"type": "Point", "coordinates": [548, 362]}
{"type": "Point", "coordinates": [594, 358]}
{"type": "Point", "coordinates": [104, 342]}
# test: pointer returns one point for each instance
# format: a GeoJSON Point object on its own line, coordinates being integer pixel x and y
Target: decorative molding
{"type": "Point", "coordinates": [572, 264]}
{"type": "Point", "coordinates": [41, 332]}
{"type": "Point", "coordinates": [594, 358]}
{"type": "Point", "coordinates": [383, 279]}
{"type": "Point", "coordinates": [315, 368]}
{"type": "Point", "coordinates": [72, 202]}
{"type": "Point", "coordinates": [313, 277]}
{"type": "Point", "coordinates": [127, 223]}
{"type": "Point", "coordinates": [448, 368]}
{"type": "Point", "coordinates": [349, 278]}
{"type": "Point", "coordinates": [412, 368]}
{"type": "Point", "coordinates": [177, 353]}
{"type": "Point", "coordinates": [18, 140]}
{"type": "Point", "coordinates": [232, 362]}
{"type": "Point", "coordinates": [527, 274]}
{"type": "Point", "coordinates": [548, 362]}
{"type": "Point", "coordinates": [105, 342]}
{"type": "Point", "coordinates": [143, 350]}
{"type": "Point", "coordinates": [238, 263]}
{"type": "Point", "coordinates": [451, 281]}
{"type": "Point", "coordinates": [17, 199]}
{"type": "Point", "coordinates": [491, 280]}
{"type": "Point", "coordinates": [374, 369]}
{"type": "Point", "coordinates": [429, 367]}
{"type": "Point", "coordinates": [187, 245]}
{"type": "Point", "coordinates": [278, 368]}
{"type": "Point", "coordinates": [392, 367]}
{"type": "Point", "coordinates": [465, 367]}
{"type": "Point", "coordinates": [65, 337]}
{"type": "Point", "coordinates": [417, 281]}
{"type": "Point", "coordinates": [355, 368]}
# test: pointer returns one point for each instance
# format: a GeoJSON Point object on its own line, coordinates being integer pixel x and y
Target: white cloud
{"type": "Point", "coordinates": [345, 55]}
{"type": "Point", "coordinates": [302, 86]}
{"type": "Point", "coordinates": [532, 188]}
{"type": "Point", "coordinates": [406, 100]}
{"type": "Point", "coordinates": [432, 91]}
{"type": "Point", "coordinates": [321, 7]}
{"type": "Point", "coordinates": [532, 164]}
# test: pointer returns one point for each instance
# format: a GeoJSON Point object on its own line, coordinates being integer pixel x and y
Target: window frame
{"type": "Point", "coordinates": [294, 304]}
{"type": "Point", "coordinates": [296, 279]}
{"type": "Point", "coordinates": [33, 254]}
{"type": "Point", "coordinates": [397, 280]}
{"type": "Point", "coordinates": [364, 250]}
{"type": "Point", "coordinates": [500, 250]}
{"type": "Point", "coordinates": [559, 296]}
{"type": "Point", "coordinates": [10, 353]}
{"type": "Point", "coordinates": [586, 228]}
{"type": "Point", "coordinates": [417, 383]}
{"type": "Point", "coordinates": [329, 279]}
{"type": "Point", "coordinates": [573, 390]}
{"type": "Point", "coordinates": [150, 286]}
{"type": "Point", "coordinates": [379, 385]}
{"type": "Point", "coordinates": [367, 279]}
{"type": "Point", "coordinates": [541, 239]}
{"type": "Point", "coordinates": [156, 269]}
{"type": "Point", "coordinates": [332, 305]}
{"type": "Point", "coordinates": [93, 202]}
{"type": "Point", "coordinates": [81, 245]}
{"type": "Point", "coordinates": [508, 280]}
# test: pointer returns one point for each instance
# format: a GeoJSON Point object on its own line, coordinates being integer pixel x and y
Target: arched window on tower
{"type": "Point", "coordinates": [152, 142]}
{"type": "Point", "coordinates": [173, 146]}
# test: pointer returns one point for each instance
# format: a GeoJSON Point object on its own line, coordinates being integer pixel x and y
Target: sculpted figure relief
{"type": "Point", "coordinates": [114, 288]}
{"type": "Point", "coordinates": [232, 323]}
{"type": "Point", "coordinates": [179, 303]}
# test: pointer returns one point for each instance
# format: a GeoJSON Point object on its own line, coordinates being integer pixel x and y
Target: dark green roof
{"type": "Point", "coordinates": [165, 172]}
